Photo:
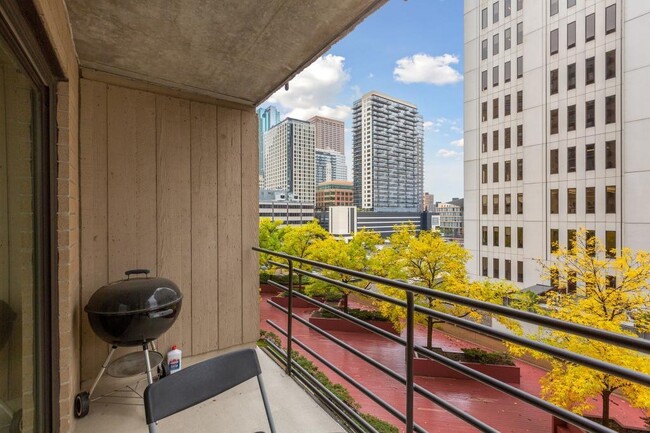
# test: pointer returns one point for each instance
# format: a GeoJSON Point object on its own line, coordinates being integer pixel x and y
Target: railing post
{"type": "Point", "coordinates": [410, 313]}
{"type": "Point", "coordinates": [289, 318]}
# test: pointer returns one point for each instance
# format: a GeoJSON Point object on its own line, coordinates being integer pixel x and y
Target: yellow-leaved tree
{"type": "Point", "coordinates": [605, 290]}
{"type": "Point", "coordinates": [354, 254]}
{"type": "Point", "coordinates": [270, 237]}
{"type": "Point", "coordinates": [297, 241]}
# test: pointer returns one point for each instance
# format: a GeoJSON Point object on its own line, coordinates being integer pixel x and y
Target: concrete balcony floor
{"type": "Point", "coordinates": [239, 410]}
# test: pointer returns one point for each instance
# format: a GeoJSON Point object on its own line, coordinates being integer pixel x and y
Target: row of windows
{"type": "Point", "coordinates": [507, 139]}
{"type": "Point", "coordinates": [506, 171]}
{"type": "Point", "coordinates": [590, 115]}
{"type": "Point", "coordinates": [590, 235]}
{"type": "Point", "coordinates": [507, 236]}
{"type": "Point", "coordinates": [590, 200]}
{"type": "Point", "coordinates": [555, 6]}
{"type": "Point", "coordinates": [507, 73]}
{"type": "Point", "coordinates": [507, 41]}
{"type": "Point", "coordinates": [590, 29]}
{"type": "Point", "coordinates": [590, 72]}
{"type": "Point", "coordinates": [507, 202]}
{"type": "Point", "coordinates": [590, 157]}
{"type": "Point", "coordinates": [508, 269]}
{"type": "Point", "coordinates": [507, 109]}
{"type": "Point", "coordinates": [507, 10]}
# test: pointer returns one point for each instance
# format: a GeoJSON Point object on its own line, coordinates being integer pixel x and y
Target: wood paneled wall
{"type": "Point", "coordinates": [170, 185]}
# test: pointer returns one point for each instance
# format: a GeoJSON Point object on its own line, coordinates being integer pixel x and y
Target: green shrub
{"type": "Point", "coordinates": [380, 425]}
{"type": "Point", "coordinates": [482, 357]}
{"type": "Point", "coordinates": [270, 336]}
{"type": "Point", "coordinates": [359, 314]}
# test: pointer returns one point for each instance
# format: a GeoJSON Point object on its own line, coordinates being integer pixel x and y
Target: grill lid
{"type": "Point", "coordinates": [134, 295]}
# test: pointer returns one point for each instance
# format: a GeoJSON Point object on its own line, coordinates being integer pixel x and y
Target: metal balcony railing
{"type": "Point", "coordinates": [292, 368]}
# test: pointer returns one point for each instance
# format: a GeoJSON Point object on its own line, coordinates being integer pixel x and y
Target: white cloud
{"type": "Point", "coordinates": [428, 124]}
{"type": "Point", "coordinates": [446, 153]}
{"type": "Point", "coordinates": [371, 75]}
{"type": "Point", "coordinates": [314, 91]}
{"type": "Point", "coordinates": [423, 68]}
{"type": "Point", "coordinates": [458, 143]}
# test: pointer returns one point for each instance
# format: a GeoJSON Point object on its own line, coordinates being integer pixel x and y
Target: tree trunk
{"type": "Point", "coordinates": [345, 302]}
{"type": "Point", "coordinates": [300, 283]}
{"type": "Point", "coordinates": [429, 332]}
{"type": "Point", "coordinates": [605, 394]}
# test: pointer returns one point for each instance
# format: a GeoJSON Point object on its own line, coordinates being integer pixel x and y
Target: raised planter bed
{"type": "Point", "coordinates": [267, 288]}
{"type": "Point", "coordinates": [561, 426]}
{"type": "Point", "coordinates": [430, 368]}
{"type": "Point", "coordinates": [338, 324]}
{"type": "Point", "coordinates": [283, 301]}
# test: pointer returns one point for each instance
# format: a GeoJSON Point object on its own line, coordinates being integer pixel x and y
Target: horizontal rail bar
{"type": "Point", "coordinates": [637, 344]}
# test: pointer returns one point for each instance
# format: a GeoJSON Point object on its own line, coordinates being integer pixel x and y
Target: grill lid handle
{"type": "Point", "coordinates": [136, 272]}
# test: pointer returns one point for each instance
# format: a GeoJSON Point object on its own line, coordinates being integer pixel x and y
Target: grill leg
{"type": "Point", "coordinates": [101, 372]}
{"type": "Point", "coordinates": [145, 348]}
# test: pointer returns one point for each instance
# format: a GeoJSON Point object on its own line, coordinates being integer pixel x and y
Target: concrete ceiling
{"type": "Point", "coordinates": [240, 50]}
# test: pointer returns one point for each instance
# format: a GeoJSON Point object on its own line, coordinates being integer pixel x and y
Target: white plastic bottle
{"type": "Point", "coordinates": [174, 359]}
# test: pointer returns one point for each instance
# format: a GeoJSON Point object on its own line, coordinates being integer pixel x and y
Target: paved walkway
{"type": "Point", "coordinates": [493, 407]}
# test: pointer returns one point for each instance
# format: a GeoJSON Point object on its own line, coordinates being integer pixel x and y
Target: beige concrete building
{"type": "Point", "coordinates": [329, 134]}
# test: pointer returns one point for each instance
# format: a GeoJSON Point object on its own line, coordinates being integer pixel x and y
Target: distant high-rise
{"type": "Point", "coordinates": [330, 165]}
{"type": "Point", "coordinates": [329, 134]}
{"type": "Point", "coordinates": [267, 118]}
{"type": "Point", "coordinates": [387, 141]}
{"type": "Point", "coordinates": [289, 156]}
{"type": "Point", "coordinates": [427, 201]}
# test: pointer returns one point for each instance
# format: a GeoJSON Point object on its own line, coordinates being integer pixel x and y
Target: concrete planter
{"type": "Point", "coordinates": [283, 301]}
{"type": "Point", "coordinates": [267, 288]}
{"type": "Point", "coordinates": [430, 368]}
{"type": "Point", "coordinates": [336, 324]}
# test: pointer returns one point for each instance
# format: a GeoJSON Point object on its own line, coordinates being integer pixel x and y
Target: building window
{"type": "Point", "coordinates": [520, 33]}
{"type": "Point", "coordinates": [520, 4]}
{"type": "Point", "coordinates": [495, 140]}
{"type": "Point", "coordinates": [507, 203]}
{"type": "Point", "coordinates": [495, 108]}
{"type": "Point", "coordinates": [554, 161]}
{"type": "Point", "coordinates": [507, 39]}
{"type": "Point", "coordinates": [507, 70]}
{"type": "Point", "coordinates": [484, 204]}
{"type": "Point", "coordinates": [610, 19]}
{"type": "Point", "coordinates": [610, 199]}
{"type": "Point", "coordinates": [610, 109]}
{"type": "Point", "coordinates": [484, 18]}
{"type": "Point", "coordinates": [507, 8]}
{"type": "Point", "coordinates": [508, 237]}
{"type": "Point", "coordinates": [484, 143]}
{"type": "Point", "coordinates": [520, 66]}
{"type": "Point", "coordinates": [555, 240]}
{"type": "Point", "coordinates": [520, 101]}
{"type": "Point", "coordinates": [520, 169]}
{"type": "Point", "coordinates": [610, 154]}
{"type": "Point", "coordinates": [571, 35]}
{"type": "Point", "coordinates": [484, 51]}
{"type": "Point", "coordinates": [554, 82]}
{"type": "Point", "coordinates": [495, 12]}
{"type": "Point", "coordinates": [590, 27]}
{"type": "Point", "coordinates": [590, 240]}
{"type": "Point", "coordinates": [506, 105]}
{"type": "Point", "coordinates": [555, 7]}
{"type": "Point", "coordinates": [610, 244]}
{"type": "Point", "coordinates": [495, 76]}
{"type": "Point", "coordinates": [571, 239]}
{"type": "Point", "coordinates": [484, 266]}
{"type": "Point", "coordinates": [495, 44]}
{"type": "Point", "coordinates": [484, 175]}
{"type": "Point", "coordinates": [555, 200]}
{"type": "Point", "coordinates": [495, 236]}
{"type": "Point", "coordinates": [571, 118]}
{"type": "Point", "coordinates": [508, 270]}
{"type": "Point", "coordinates": [590, 114]}
{"type": "Point", "coordinates": [484, 80]}
{"type": "Point", "coordinates": [571, 200]}
{"type": "Point", "coordinates": [484, 114]}
{"type": "Point", "coordinates": [610, 64]}
{"type": "Point", "coordinates": [571, 159]}
{"type": "Point", "coordinates": [570, 3]}
{"type": "Point", "coordinates": [495, 172]}
{"type": "Point", "coordinates": [484, 235]}
{"type": "Point", "coordinates": [555, 44]}
{"type": "Point", "coordinates": [590, 157]}
{"type": "Point", "coordinates": [520, 272]}
{"type": "Point", "coordinates": [571, 76]}
{"type": "Point", "coordinates": [520, 135]}
{"type": "Point", "coordinates": [590, 70]}
{"type": "Point", "coordinates": [554, 121]}
{"type": "Point", "coordinates": [506, 169]}
{"type": "Point", "coordinates": [520, 203]}
{"type": "Point", "coordinates": [520, 237]}
{"type": "Point", "coordinates": [554, 277]}
{"type": "Point", "coordinates": [495, 268]}
{"type": "Point", "coordinates": [590, 199]}
{"type": "Point", "coordinates": [506, 138]}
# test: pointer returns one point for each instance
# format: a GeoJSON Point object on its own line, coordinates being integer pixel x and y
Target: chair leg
{"type": "Point", "coordinates": [267, 407]}
{"type": "Point", "coordinates": [152, 428]}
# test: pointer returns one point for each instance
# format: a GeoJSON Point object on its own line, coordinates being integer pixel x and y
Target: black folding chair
{"type": "Point", "coordinates": [200, 382]}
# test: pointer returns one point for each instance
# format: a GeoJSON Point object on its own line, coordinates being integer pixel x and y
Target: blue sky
{"type": "Point", "coordinates": [411, 50]}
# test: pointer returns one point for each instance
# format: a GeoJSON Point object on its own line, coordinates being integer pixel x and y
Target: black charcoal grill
{"type": "Point", "coordinates": [127, 313]}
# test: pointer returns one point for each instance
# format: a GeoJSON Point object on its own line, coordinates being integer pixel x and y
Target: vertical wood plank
{"type": "Point", "coordinates": [93, 206]}
{"type": "Point", "coordinates": [4, 235]}
{"type": "Point", "coordinates": [174, 204]}
{"type": "Point", "coordinates": [250, 227]}
{"type": "Point", "coordinates": [205, 253]}
{"type": "Point", "coordinates": [229, 232]}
